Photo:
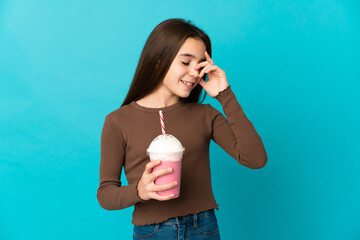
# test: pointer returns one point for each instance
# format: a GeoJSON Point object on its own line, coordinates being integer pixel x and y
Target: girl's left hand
{"type": "Point", "coordinates": [217, 80]}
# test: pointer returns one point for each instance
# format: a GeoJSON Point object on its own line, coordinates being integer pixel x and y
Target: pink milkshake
{"type": "Point", "coordinates": [169, 150]}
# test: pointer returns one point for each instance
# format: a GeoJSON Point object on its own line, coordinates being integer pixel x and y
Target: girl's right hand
{"type": "Point", "coordinates": [147, 189]}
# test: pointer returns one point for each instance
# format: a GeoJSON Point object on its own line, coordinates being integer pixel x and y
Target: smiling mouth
{"type": "Point", "coordinates": [188, 83]}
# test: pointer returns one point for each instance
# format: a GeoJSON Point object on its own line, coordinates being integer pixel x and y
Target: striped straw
{"type": "Point", "coordinates": [162, 123]}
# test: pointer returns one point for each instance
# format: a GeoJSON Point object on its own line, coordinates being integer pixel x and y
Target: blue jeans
{"type": "Point", "coordinates": [198, 226]}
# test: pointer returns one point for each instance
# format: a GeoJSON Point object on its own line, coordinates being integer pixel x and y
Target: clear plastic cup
{"type": "Point", "coordinates": [169, 150]}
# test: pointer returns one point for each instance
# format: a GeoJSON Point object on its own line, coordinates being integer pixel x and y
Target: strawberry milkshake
{"type": "Point", "coordinates": [169, 150]}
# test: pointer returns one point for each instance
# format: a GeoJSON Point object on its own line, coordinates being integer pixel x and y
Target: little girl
{"type": "Point", "coordinates": [175, 65]}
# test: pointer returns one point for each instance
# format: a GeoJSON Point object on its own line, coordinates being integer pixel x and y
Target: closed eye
{"type": "Point", "coordinates": [186, 63]}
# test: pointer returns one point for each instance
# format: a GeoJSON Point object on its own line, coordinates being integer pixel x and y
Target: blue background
{"type": "Point", "coordinates": [293, 65]}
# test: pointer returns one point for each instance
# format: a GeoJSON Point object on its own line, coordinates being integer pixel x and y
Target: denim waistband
{"type": "Point", "coordinates": [190, 217]}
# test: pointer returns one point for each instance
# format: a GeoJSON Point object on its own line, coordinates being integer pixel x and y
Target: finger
{"type": "Point", "coordinates": [160, 172]}
{"type": "Point", "coordinates": [203, 71]}
{"type": "Point", "coordinates": [202, 64]}
{"type": "Point", "coordinates": [163, 198]}
{"type": "Point", "coordinates": [212, 68]}
{"type": "Point", "coordinates": [149, 166]}
{"type": "Point", "coordinates": [208, 58]}
{"type": "Point", "coordinates": [164, 187]}
{"type": "Point", "coordinates": [202, 82]}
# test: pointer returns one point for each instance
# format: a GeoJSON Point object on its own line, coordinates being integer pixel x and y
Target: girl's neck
{"type": "Point", "coordinates": [158, 99]}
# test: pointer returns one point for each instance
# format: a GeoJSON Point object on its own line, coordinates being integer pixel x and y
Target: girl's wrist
{"type": "Point", "coordinates": [138, 192]}
{"type": "Point", "coordinates": [222, 91]}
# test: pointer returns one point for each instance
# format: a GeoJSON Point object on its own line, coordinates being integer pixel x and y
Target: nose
{"type": "Point", "coordinates": [194, 73]}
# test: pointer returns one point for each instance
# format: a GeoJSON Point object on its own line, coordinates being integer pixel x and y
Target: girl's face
{"type": "Point", "coordinates": [181, 77]}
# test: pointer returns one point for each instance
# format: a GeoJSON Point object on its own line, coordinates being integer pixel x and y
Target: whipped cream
{"type": "Point", "coordinates": [165, 144]}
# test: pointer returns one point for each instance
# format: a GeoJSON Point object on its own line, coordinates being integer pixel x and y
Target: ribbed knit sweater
{"type": "Point", "coordinates": [129, 130]}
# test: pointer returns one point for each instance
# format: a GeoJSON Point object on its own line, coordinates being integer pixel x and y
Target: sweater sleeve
{"type": "Point", "coordinates": [111, 194]}
{"type": "Point", "coordinates": [236, 134]}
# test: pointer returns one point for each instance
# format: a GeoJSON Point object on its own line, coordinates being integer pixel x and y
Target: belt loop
{"type": "Point", "coordinates": [195, 220]}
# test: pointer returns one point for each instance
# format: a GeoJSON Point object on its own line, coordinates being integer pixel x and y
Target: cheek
{"type": "Point", "coordinates": [179, 70]}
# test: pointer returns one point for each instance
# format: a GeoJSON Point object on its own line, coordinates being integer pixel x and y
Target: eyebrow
{"type": "Point", "coordinates": [192, 56]}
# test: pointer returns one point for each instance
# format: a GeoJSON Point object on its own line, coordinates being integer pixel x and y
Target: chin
{"type": "Point", "coordinates": [183, 95]}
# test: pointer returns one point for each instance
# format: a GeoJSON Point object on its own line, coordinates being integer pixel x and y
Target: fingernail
{"type": "Point", "coordinates": [158, 161]}
{"type": "Point", "coordinates": [169, 169]}
{"type": "Point", "coordinates": [175, 183]}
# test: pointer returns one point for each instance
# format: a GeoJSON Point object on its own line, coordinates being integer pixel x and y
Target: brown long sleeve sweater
{"type": "Point", "coordinates": [128, 131]}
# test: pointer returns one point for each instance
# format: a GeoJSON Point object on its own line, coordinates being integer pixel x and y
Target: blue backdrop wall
{"type": "Point", "coordinates": [293, 65]}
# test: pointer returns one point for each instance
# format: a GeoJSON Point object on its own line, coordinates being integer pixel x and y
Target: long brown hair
{"type": "Point", "coordinates": [159, 52]}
